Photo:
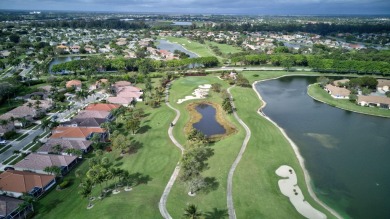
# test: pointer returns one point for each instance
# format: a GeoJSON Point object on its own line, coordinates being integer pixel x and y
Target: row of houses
{"type": "Point", "coordinates": [28, 176]}
{"type": "Point", "coordinates": [338, 91]}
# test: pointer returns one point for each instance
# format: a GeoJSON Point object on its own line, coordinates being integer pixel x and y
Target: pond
{"type": "Point", "coordinates": [208, 124]}
{"type": "Point", "coordinates": [182, 23]}
{"type": "Point", "coordinates": [346, 153]}
{"type": "Point", "coordinates": [62, 59]}
{"type": "Point", "coordinates": [166, 45]}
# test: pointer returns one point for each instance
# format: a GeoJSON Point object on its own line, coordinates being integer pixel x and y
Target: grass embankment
{"type": "Point", "coordinates": [225, 151]}
{"type": "Point", "coordinates": [316, 92]}
{"type": "Point", "coordinates": [255, 184]}
{"type": "Point", "coordinates": [156, 159]}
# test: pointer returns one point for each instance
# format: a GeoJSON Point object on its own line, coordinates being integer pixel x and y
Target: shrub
{"type": "Point", "coordinates": [64, 184]}
{"type": "Point", "coordinates": [9, 135]}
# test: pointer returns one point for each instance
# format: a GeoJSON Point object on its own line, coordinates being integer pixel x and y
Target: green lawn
{"type": "Point", "coordinates": [225, 48]}
{"type": "Point", "coordinates": [195, 47]}
{"type": "Point", "coordinates": [7, 106]}
{"type": "Point", "coordinates": [225, 151]}
{"type": "Point", "coordinates": [156, 158]}
{"type": "Point", "coordinates": [320, 94]}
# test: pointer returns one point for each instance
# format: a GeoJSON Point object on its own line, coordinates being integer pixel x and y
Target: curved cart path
{"type": "Point", "coordinates": [232, 212]}
{"type": "Point", "coordinates": [162, 205]}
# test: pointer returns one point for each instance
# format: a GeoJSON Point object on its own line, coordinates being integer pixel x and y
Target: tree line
{"type": "Point", "coordinates": [141, 65]}
{"type": "Point", "coordinates": [317, 63]}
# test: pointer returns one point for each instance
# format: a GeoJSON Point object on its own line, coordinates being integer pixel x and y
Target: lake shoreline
{"type": "Point", "coordinates": [294, 147]}
{"type": "Point", "coordinates": [338, 106]}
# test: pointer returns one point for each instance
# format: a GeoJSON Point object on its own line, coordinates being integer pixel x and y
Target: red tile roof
{"type": "Point", "coordinates": [75, 83]}
{"type": "Point", "coordinates": [74, 132]}
{"type": "Point", "coordinates": [22, 181]}
{"type": "Point", "coordinates": [102, 107]}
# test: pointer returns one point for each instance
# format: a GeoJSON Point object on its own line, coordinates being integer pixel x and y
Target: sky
{"type": "Point", "coordinates": [260, 7]}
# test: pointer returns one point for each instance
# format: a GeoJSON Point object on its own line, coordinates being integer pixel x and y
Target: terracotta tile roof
{"type": "Point", "coordinates": [120, 100]}
{"type": "Point", "coordinates": [65, 144]}
{"type": "Point", "coordinates": [74, 132]}
{"type": "Point", "coordinates": [36, 161]}
{"type": "Point", "coordinates": [127, 89]}
{"type": "Point", "coordinates": [22, 181]}
{"type": "Point", "coordinates": [122, 83]}
{"type": "Point", "coordinates": [8, 205]}
{"type": "Point", "coordinates": [102, 107]}
{"type": "Point", "coordinates": [71, 83]}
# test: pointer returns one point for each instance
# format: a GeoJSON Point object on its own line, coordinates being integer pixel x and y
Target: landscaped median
{"type": "Point", "coordinates": [319, 94]}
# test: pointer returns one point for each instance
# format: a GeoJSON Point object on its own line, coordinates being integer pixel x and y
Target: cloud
{"type": "Point", "coordinates": [209, 6]}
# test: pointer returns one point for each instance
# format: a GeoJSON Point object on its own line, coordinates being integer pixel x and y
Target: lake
{"type": "Point", "coordinates": [166, 45]}
{"type": "Point", "coordinates": [182, 23]}
{"type": "Point", "coordinates": [62, 59]}
{"type": "Point", "coordinates": [346, 153]}
{"type": "Point", "coordinates": [208, 124]}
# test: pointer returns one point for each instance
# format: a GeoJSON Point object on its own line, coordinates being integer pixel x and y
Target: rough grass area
{"type": "Point", "coordinates": [316, 92]}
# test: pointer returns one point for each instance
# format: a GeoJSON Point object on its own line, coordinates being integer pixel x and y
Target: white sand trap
{"type": "Point", "coordinates": [289, 188]}
{"type": "Point", "coordinates": [199, 93]}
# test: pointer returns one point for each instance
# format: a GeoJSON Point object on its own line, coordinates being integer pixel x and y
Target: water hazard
{"type": "Point", "coordinates": [346, 154]}
{"type": "Point", "coordinates": [208, 124]}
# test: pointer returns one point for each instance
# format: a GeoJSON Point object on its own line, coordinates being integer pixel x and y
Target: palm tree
{"type": "Point", "coordinates": [45, 124]}
{"type": "Point", "coordinates": [85, 192]}
{"type": "Point", "coordinates": [192, 212]}
{"type": "Point", "coordinates": [3, 123]}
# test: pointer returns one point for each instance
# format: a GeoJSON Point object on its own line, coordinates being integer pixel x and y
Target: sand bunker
{"type": "Point", "coordinates": [289, 188]}
{"type": "Point", "coordinates": [200, 93]}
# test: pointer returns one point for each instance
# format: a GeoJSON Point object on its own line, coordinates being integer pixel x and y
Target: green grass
{"type": "Point", "coordinates": [225, 152]}
{"type": "Point", "coordinates": [320, 94]}
{"type": "Point", "coordinates": [10, 159]}
{"type": "Point", "coordinates": [195, 47]}
{"type": "Point", "coordinates": [255, 185]}
{"type": "Point", "coordinates": [225, 48]}
{"type": "Point", "coordinates": [21, 157]}
{"type": "Point", "coordinates": [157, 158]}
{"type": "Point", "coordinates": [5, 148]}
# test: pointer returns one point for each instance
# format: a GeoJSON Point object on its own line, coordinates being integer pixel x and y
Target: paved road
{"type": "Point", "coordinates": [162, 205]}
{"type": "Point", "coordinates": [18, 145]}
{"type": "Point", "coordinates": [232, 212]}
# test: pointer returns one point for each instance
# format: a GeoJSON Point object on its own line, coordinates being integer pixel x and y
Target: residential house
{"type": "Point", "coordinates": [16, 183]}
{"type": "Point", "coordinates": [11, 208]}
{"type": "Point", "coordinates": [378, 101]}
{"type": "Point", "coordinates": [25, 113]}
{"type": "Point", "coordinates": [74, 83]}
{"type": "Point", "coordinates": [47, 148]}
{"type": "Point", "coordinates": [339, 83]}
{"type": "Point", "coordinates": [125, 94]}
{"type": "Point", "coordinates": [337, 92]}
{"type": "Point", "coordinates": [4, 128]}
{"type": "Point", "coordinates": [36, 162]}
{"type": "Point", "coordinates": [383, 85]}
{"type": "Point", "coordinates": [78, 133]}
{"type": "Point", "coordinates": [102, 107]}
{"type": "Point", "coordinates": [89, 118]}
